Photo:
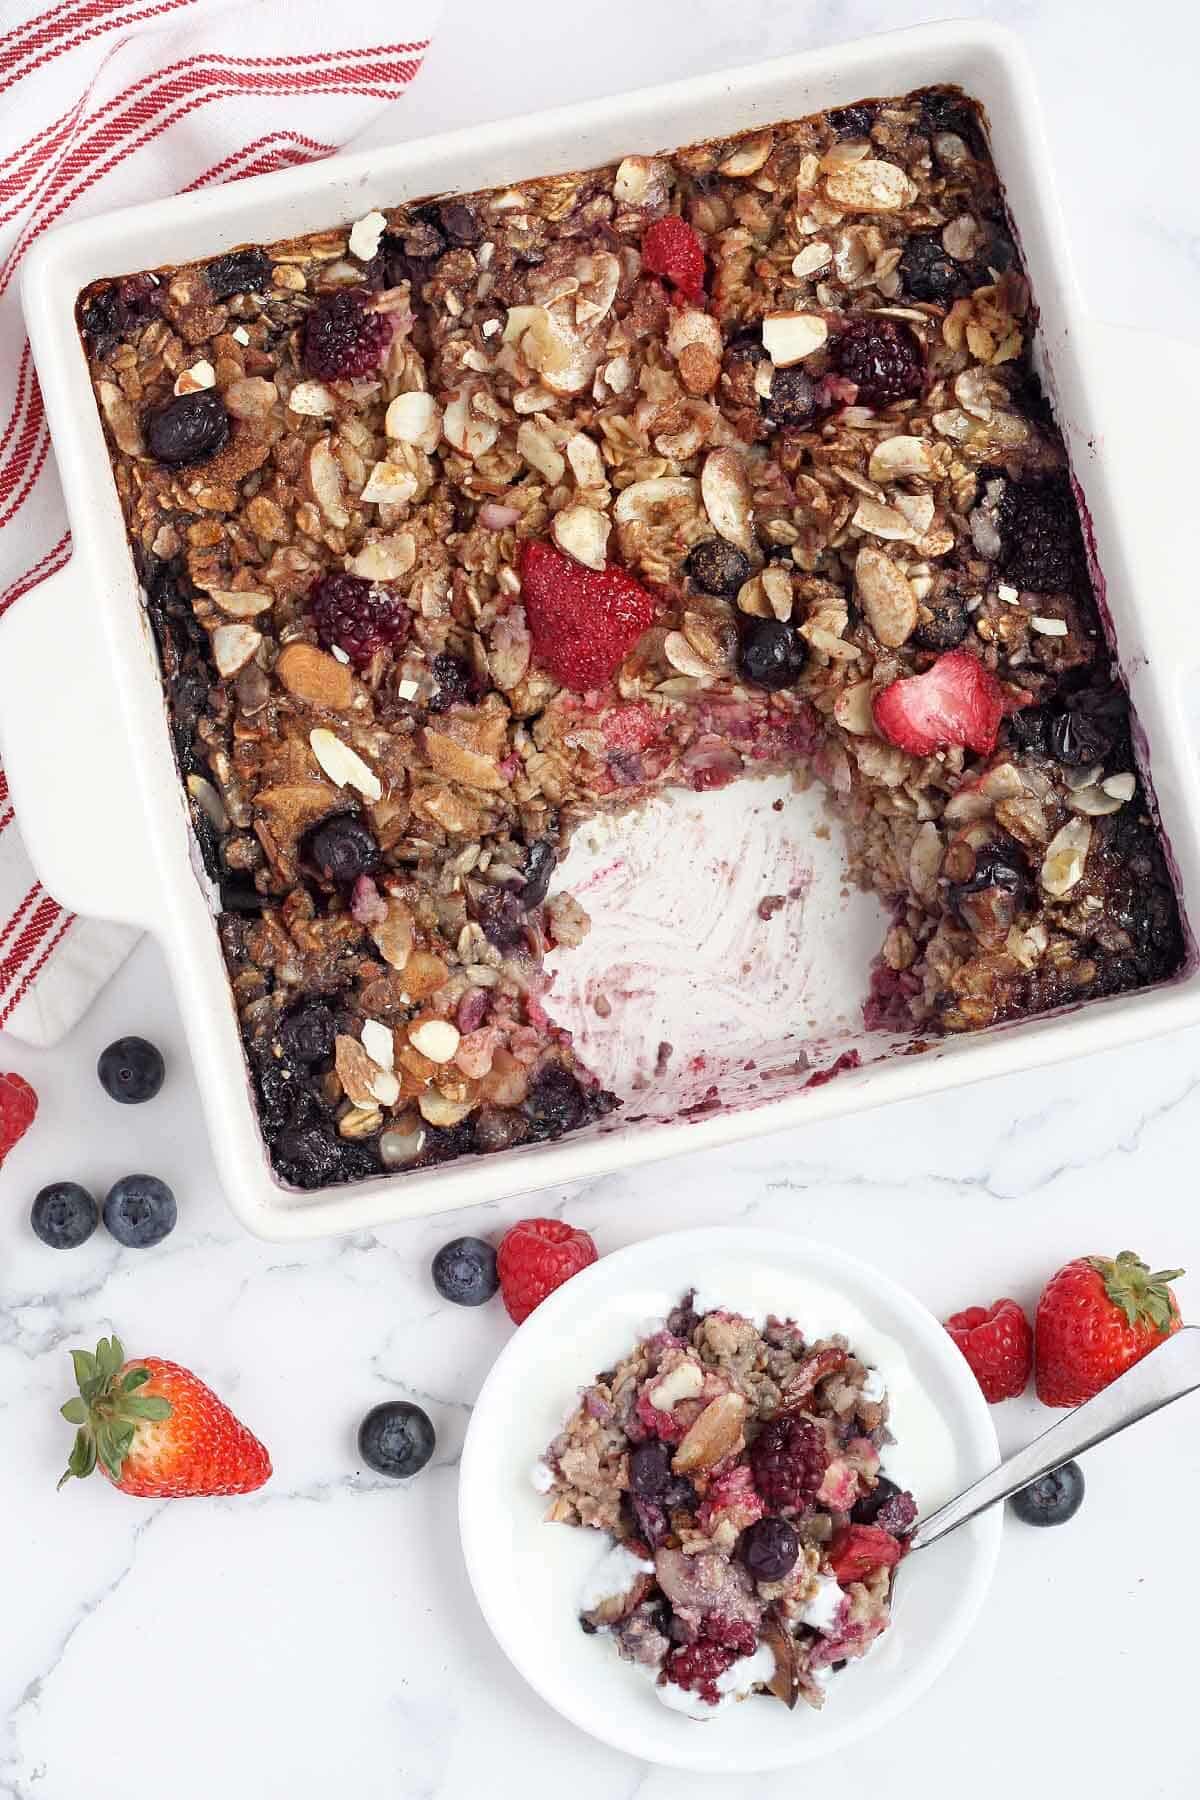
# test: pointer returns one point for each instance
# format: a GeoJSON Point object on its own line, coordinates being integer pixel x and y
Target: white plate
{"type": "Point", "coordinates": [527, 1574]}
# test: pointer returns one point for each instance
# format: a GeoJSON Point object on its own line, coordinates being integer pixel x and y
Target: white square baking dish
{"type": "Point", "coordinates": [89, 757]}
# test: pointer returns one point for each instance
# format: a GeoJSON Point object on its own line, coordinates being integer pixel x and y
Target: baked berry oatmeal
{"type": "Point", "coordinates": [488, 513]}
{"type": "Point", "coordinates": [737, 1472]}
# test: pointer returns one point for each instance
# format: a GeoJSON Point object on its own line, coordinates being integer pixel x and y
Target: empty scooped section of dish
{"type": "Point", "coordinates": [728, 954]}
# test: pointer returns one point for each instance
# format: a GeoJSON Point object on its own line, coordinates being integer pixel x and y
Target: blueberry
{"type": "Point", "coordinates": [131, 1070]}
{"type": "Point", "coordinates": [396, 1438]}
{"type": "Point", "coordinates": [851, 121]}
{"type": "Point", "coordinates": [927, 272]}
{"type": "Point", "coordinates": [460, 222]}
{"type": "Point", "coordinates": [539, 867]}
{"type": "Point", "coordinates": [888, 1507]}
{"type": "Point", "coordinates": [464, 1271]}
{"type": "Point", "coordinates": [865, 1509]}
{"type": "Point", "coordinates": [769, 1549]}
{"type": "Point", "coordinates": [650, 1469]}
{"type": "Point", "coordinates": [189, 429]}
{"type": "Point", "coordinates": [772, 655]}
{"type": "Point", "coordinates": [307, 1033]}
{"type": "Point", "coordinates": [343, 849]}
{"type": "Point", "coordinates": [64, 1215]}
{"type": "Point", "coordinates": [718, 567]}
{"type": "Point", "coordinates": [792, 399]}
{"type": "Point", "coordinates": [240, 272]}
{"type": "Point", "coordinates": [140, 1210]}
{"type": "Point", "coordinates": [502, 916]}
{"type": "Point", "coordinates": [942, 625]}
{"type": "Point", "coordinates": [1052, 1499]}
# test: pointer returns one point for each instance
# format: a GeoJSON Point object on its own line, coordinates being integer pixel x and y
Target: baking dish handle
{"type": "Point", "coordinates": [67, 754]}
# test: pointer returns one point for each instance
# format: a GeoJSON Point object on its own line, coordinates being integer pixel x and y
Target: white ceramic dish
{"type": "Point", "coordinates": [527, 1574]}
{"type": "Point", "coordinates": [89, 759]}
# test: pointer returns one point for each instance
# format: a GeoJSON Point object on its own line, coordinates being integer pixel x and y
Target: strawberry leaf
{"type": "Point", "coordinates": [74, 1412]}
{"type": "Point", "coordinates": [146, 1406]}
{"type": "Point", "coordinates": [136, 1378]}
{"type": "Point", "coordinates": [87, 1369]}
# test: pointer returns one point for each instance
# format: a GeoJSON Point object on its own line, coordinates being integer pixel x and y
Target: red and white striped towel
{"type": "Point", "coordinates": [104, 102]}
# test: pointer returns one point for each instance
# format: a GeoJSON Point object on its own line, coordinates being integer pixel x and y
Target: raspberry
{"type": "Point", "coordinates": [859, 1550]}
{"type": "Point", "coordinates": [18, 1108]}
{"type": "Point", "coordinates": [535, 1257]}
{"type": "Point", "coordinates": [583, 622]}
{"type": "Point", "coordinates": [789, 1460]}
{"type": "Point", "coordinates": [721, 1643]}
{"type": "Point", "coordinates": [882, 358]}
{"type": "Point", "coordinates": [342, 339]}
{"type": "Point", "coordinates": [358, 616]}
{"type": "Point", "coordinates": [671, 248]}
{"type": "Point", "coordinates": [997, 1341]}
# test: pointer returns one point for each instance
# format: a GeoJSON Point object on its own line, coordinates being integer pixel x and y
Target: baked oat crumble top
{"type": "Point", "coordinates": [479, 515]}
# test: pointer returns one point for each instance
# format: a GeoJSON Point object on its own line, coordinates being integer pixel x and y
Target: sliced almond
{"type": "Point", "coordinates": [883, 521]}
{"type": "Point", "coordinates": [583, 533]}
{"type": "Point", "coordinates": [120, 418]}
{"type": "Point", "coordinates": [642, 181]}
{"type": "Point", "coordinates": [716, 1434]}
{"type": "Point", "coordinates": [457, 763]}
{"type": "Point", "coordinates": [539, 452]}
{"type": "Point", "coordinates": [414, 418]}
{"type": "Point", "coordinates": [777, 586]}
{"type": "Point", "coordinates": [725, 490]}
{"type": "Point", "coordinates": [436, 1109]}
{"type": "Point", "coordinates": [201, 375]}
{"type": "Point", "coordinates": [365, 235]}
{"type": "Point", "coordinates": [385, 1087]}
{"type": "Point", "coordinates": [599, 277]}
{"type": "Point", "coordinates": [587, 464]}
{"type": "Point", "coordinates": [918, 509]}
{"type": "Point", "coordinates": [1094, 802]}
{"type": "Point", "coordinates": [887, 598]}
{"type": "Point", "coordinates": [379, 1043]}
{"type": "Point", "coordinates": [560, 356]}
{"type": "Point", "coordinates": [314, 678]}
{"type": "Point", "coordinates": [209, 801]}
{"type": "Point", "coordinates": [241, 603]}
{"type": "Point", "coordinates": [925, 860]}
{"type": "Point", "coordinates": [253, 397]}
{"type": "Point", "coordinates": [311, 400]}
{"type": "Point", "coordinates": [393, 936]}
{"type": "Point", "coordinates": [344, 765]}
{"type": "Point", "coordinates": [355, 1070]}
{"type": "Point", "coordinates": [812, 259]}
{"type": "Point", "coordinates": [437, 1039]}
{"type": "Point", "coordinates": [1121, 787]}
{"type": "Point", "coordinates": [638, 503]}
{"type": "Point", "coordinates": [684, 1382]}
{"type": "Point", "coordinates": [518, 321]}
{"type": "Point", "coordinates": [681, 656]}
{"type": "Point", "coordinates": [1066, 855]}
{"type": "Point", "coordinates": [689, 325]}
{"type": "Point", "coordinates": [749, 156]}
{"type": "Point", "coordinates": [389, 484]}
{"type": "Point", "coordinates": [788, 337]}
{"type": "Point", "coordinates": [385, 558]}
{"type": "Point", "coordinates": [233, 646]}
{"type": "Point", "coordinates": [852, 709]}
{"type": "Point", "coordinates": [870, 185]}
{"type": "Point", "coordinates": [898, 457]}
{"type": "Point", "coordinates": [326, 483]}
{"type": "Point", "coordinates": [466, 430]}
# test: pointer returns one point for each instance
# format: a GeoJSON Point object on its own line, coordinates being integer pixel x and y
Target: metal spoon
{"type": "Point", "coordinates": [1166, 1374]}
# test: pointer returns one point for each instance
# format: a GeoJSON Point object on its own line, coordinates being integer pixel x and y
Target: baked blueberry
{"type": "Point", "coordinates": [1052, 1499]}
{"type": "Point", "coordinates": [464, 1271]}
{"type": "Point", "coordinates": [650, 1469]}
{"type": "Point", "coordinates": [396, 1438]}
{"type": "Point", "coordinates": [793, 398]}
{"type": "Point", "coordinates": [140, 1210]}
{"type": "Point", "coordinates": [189, 429]}
{"type": "Point", "coordinates": [64, 1215]}
{"type": "Point", "coordinates": [307, 1033]}
{"type": "Point", "coordinates": [772, 655]}
{"type": "Point", "coordinates": [343, 849]}
{"type": "Point", "coordinates": [240, 272]}
{"type": "Point", "coordinates": [131, 1070]}
{"type": "Point", "coordinates": [769, 1549]}
{"type": "Point", "coordinates": [718, 567]}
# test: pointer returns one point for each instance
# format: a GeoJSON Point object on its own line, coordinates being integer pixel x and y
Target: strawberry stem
{"type": "Point", "coordinates": [1144, 1296]}
{"type": "Point", "coordinates": [107, 1410]}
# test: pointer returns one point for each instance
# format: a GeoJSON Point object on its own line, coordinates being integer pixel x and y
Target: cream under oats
{"type": "Point", "coordinates": [458, 527]}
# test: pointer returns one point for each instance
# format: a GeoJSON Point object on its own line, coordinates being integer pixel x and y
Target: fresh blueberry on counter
{"type": "Point", "coordinates": [140, 1210]}
{"type": "Point", "coordinates": [464, 1271]}
{"type": "Point", "coordinates": [131, 1070]}
{"type": "Point", "coordinates": [64, 1215]}
{"type": "Point", "coordinates": [1052, 1499]}
{"type": "Point", "coordinates": [396, 1438]}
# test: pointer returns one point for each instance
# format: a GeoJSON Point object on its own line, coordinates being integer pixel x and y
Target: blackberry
{"type": "Point", "coordinates": [718, 567]}
{"type": "Point", "coordinates": [788, 1459]}
{"type": "Point", "coordinates": [928, 273]}
{"type": "Point", "coordinates": [851, 121]}
{"type": "Point", "coordinates": [112, 311]}
{"type": "Point", "coordinates": [455, 683]}
{"type": "Point", "coordinates": [793, 398]}
{"type": "Point", "coordinates": [359, 617]}
{"type": "Point", "coordinates": [310, 1155]}
{"type": "Point", "coordinates": [1041, 545]}
{"type": "Point", "coordinates": [1090, 727]}
{"type": "Point", "coordinates": [188, 429]}
{"type": "Point", "coordinates": [240, 272]}
{"type": "Point", "coordinates": [555, 1103]}
{"type": "Point", "coordinates": [883, 357]}
{"type": "Point", "coordinates": [772, 655]}
{"type": "Point", "coordinates": [343, 340]}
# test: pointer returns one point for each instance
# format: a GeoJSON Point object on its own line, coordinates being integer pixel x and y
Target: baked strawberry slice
{"type": "Point", "coordinates": [672, 249]}
{"type": "Point", "coordinates": [859, 1550]}
{"type": "Point", "coordinates": [583, 622]}
{"type": "Point", "coordinates": [956, 702]}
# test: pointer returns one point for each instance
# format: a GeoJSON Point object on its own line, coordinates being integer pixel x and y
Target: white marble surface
{"type": "Point", "coordinates": [319, 1638]}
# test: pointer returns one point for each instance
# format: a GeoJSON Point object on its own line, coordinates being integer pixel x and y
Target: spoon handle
{"type": "Point", "coordinates": [1166, 1374]}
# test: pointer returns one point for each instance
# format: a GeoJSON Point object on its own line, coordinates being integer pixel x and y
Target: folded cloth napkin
{"type": "Point", "coordinates": [102, 103]}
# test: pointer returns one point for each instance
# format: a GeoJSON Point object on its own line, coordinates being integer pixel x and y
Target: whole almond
{"type": "Point", "coordinates": [716, 1434]}
{"type": "Point", "coordinates": [315, 678]}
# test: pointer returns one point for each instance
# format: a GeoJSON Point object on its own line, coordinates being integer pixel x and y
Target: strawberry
{"type": "Point", "coordinates": [1096, 1318]}
{"type": "Point", "coordinates": [997, 1341]}
{"type": "Point", "coordinates": [156, 1430]}
{"type": "Point", "coordinates": [535, 1257]}
{"type": "Point", "coordinates": [583, 622]}
{"type": "Point", "coordinates": [858, 1550]}
{"type": "Point", "coordinates": [957, 701]}
{"type": "Point", "coordinates": [672, 249]}
{"type": "Point", "coordinates": [18, 1109]}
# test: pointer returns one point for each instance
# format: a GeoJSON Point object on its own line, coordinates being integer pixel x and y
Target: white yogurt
{"type": "Point", "coordinates": [541, 1477]}
{"type": "Point", "coordinates": [874, 1388]}
{"type": "Point", "coordinates": [612, 1576]}
{"type": "Point", "coordinates": [823, 1607]}
{"type": "Point", "coordinates": [739, 1679]}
